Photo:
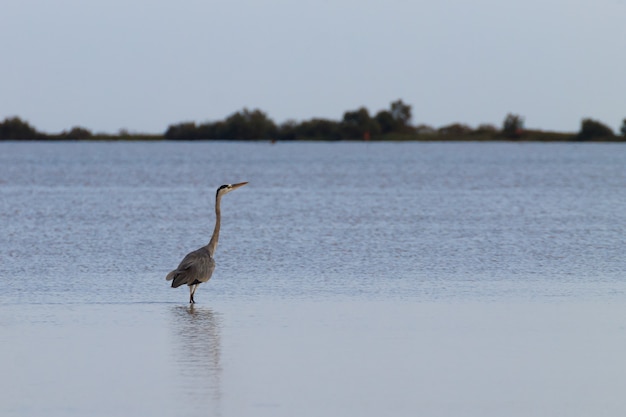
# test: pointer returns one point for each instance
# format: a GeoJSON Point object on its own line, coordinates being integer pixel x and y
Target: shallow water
{"type": "Point", "coordinates": [399, 278]}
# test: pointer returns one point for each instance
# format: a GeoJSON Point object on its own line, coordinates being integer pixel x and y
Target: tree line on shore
{"type": "Point", "coordinates": [393, 123]}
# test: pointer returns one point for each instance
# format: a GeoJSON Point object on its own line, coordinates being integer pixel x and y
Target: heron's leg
{"type": "Point", "coordinates": [192, 290]}
{"type": "Point", "coordinates": [195, 287]}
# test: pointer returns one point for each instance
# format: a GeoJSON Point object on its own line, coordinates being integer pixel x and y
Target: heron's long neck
{"type": "Point", "coordinates": [216, 232]}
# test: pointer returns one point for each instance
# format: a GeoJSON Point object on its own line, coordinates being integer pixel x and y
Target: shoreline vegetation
{"type": "Point", "coordinates": [393, 124]}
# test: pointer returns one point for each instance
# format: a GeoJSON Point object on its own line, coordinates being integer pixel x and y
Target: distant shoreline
{"type": "Point", "coordinates": [393, 124]}
{"type": "Point", "coordinates": [154, 138]}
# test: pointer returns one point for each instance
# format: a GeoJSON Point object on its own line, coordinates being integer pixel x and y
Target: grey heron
{"type": "Point", "coordinates": [198, 266]}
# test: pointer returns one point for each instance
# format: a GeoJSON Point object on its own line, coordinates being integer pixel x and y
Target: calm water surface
{"type": "Point", "coordinates": [352, 279]}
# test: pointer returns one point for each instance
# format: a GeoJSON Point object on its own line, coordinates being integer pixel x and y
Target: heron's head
{"type": "Point", "coordinates": [227, 188]}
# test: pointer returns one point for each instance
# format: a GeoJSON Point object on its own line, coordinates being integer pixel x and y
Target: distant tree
{"type": "Point", "coordinates": [182, 131]}
{"type": "Point", "coordinates": [485, 131]}
{"type": "Point", "coordinates": [14, 128]}
{"type": "Point", "coordinates": [235, 126]}
{"type": "Point", "coordinates": [210, 130]}
{"type": "Point", "coordinates": [623, 128]}
{"type": "Point", "coordinates": [401, 113]}
{"type": "Point", "coordinates": [288, 130]}
{"type": "Point", "coordinates": [322, 129]}
{"type": "Point", "coordinates": [242, 125]}
{"type": "Point", "coordinates": [76, 133]}
{"type": "Point", "coordinates": [396, 119]}
{"type": "Point", "coordinates": [486, 128]}
{"type": "Point", "coordinates": [386, 122]}
{"type": "Point", "coordinates": [592, 129]}
{"type": "Point", "coordinates": [356, 124]}
{"type": "Point", "coordinates": [513, 126]}
{"type": "Point", "coordinates": [248, 125]}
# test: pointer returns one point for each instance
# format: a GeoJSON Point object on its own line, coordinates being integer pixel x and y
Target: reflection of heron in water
{"type": "Point", "coordinates": [197, 354]}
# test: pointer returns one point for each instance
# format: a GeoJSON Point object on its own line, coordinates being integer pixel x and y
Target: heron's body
{"type": "Point", "coordinates": [195, 268]}
{"type": "Point", "coordinates": [198, 266]}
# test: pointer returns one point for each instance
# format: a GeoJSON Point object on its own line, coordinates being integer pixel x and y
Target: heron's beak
{"type": "Point", "coordinates": [241, 184]}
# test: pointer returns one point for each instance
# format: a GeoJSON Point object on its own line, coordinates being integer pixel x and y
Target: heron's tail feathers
{"type": "Point", "coordinates": [179, 278]}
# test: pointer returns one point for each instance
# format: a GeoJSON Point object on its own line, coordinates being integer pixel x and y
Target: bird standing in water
{"type": "Point", "coordinates": [198, 266]}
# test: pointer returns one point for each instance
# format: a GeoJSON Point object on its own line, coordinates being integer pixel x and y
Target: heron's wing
{"type": "Point", "coordinates": [195, 266]}
{"type": "Point", "coordinates": [191, 259]}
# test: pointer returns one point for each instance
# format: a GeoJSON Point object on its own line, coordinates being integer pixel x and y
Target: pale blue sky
{"type": "Point", "coordinates": [144, 64]}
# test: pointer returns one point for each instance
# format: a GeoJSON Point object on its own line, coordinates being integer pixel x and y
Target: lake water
{"type": "Point", "coordinates": [433, 279]}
